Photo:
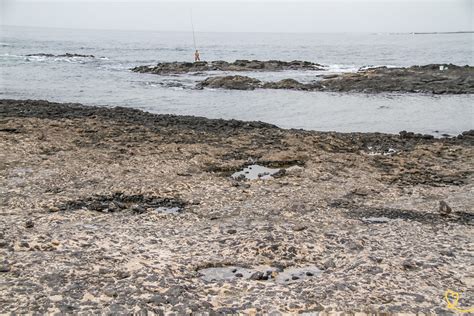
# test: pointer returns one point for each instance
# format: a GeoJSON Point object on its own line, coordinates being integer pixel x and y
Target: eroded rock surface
{"type": "Point", "coordinates": [231, 83]}
{"type": "Point", "coordinates": [437, 79]}
{"type": "Point", "coordinates": [353, 225]}
{"type": "Point", "coordinates": [61, 55]}
{"type": "Point", "coordinates": [219, 65]}
{"type": "Point", "coordinates": [425, 79]}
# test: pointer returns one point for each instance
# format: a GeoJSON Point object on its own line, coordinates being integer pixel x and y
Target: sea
{"type": "Point", "coordinates": [106, 78]}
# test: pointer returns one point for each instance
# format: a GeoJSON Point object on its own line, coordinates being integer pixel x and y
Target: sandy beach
{"type": "Point", "coordinates": [115, 210]}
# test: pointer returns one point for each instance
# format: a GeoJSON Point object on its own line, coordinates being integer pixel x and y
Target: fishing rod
{"type": "Point", "coordinates": [192, 26]}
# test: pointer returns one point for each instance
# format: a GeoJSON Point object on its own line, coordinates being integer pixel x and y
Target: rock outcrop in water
{"type": "Point", "coordinates": [230, 82]}
{"type": "Point", "coordinates": [247, 83]}
{"type": "Point", "coordinates": [219, 65]}
{"type": "Point", "coordinates": [437, 79]}
{"type": "Point", "coordinates": [291, 84]}
{"type": "Point", "coordinates": [62, 55]}
{"type": "Point", "coordinates": [353, 223]}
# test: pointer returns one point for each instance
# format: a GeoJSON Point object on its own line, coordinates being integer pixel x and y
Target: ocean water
{"type": "Point", "coordinates": [106, 79]}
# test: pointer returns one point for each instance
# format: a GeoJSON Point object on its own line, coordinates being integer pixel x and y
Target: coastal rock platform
{"type": "Point", "coordinates": [116, 210]}
{"type": "Point", "coordinates": [436, 79]}
{"type": "Point", "coordinates": [220, 65]}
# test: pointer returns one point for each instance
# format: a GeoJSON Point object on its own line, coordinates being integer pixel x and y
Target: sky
{"type": "Point", "coordinates": [321, 16]}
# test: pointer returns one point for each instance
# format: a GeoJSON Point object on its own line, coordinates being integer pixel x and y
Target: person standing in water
{"type": "Point", "coordinates": [196, 56]}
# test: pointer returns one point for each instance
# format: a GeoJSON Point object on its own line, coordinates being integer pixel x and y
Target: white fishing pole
{"type": "Point", "coordinates": [192, 26]}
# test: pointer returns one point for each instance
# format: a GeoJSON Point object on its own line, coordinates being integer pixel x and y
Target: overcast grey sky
{"type": "Point", "coordinates": [245, 16]}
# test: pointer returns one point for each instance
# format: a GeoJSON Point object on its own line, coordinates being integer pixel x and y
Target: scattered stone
{"type": "Point", "coordinates": [444, 208]}
{"type": "Point", "coordinates": [409, 265]}
{"type": "Point", "coordinates": [137, 209]}
{"type": "Point", "coordinates": [258, 276]}
{"type": "Point", "coordinates": [53, 209]}
{"type": "Point", "coordinates": [299, 228]}
{"type": "Point", "coordinates": [104, 271]}
{"type": "Point", "coordinates": [121, 202]}
{"type": "Point", "coordinates": [123, 274]}
{"type": "Point", "coordinates": [4, 267]}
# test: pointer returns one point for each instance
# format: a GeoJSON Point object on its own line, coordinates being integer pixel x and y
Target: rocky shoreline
{"type": "Point", "coordinates": [115, 210]}
{"type": "Point", "coordinates": [71, 55]}
{"type": "Point", "coordinates": [436, 79]}
{"type": "Point", "coordinates": [220, 65]}
{"type": "Point", "coordinates": [433, 78]}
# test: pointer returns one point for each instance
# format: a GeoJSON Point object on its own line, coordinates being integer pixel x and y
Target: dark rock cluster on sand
{"type": "Point", "coordinates": [354, 224]}
{"type": "Point", "coordinates": [428, 79]}
{"type": "Point", "coordinates": [219, 65]}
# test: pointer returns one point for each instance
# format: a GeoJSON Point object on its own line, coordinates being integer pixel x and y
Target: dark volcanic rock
{"type": "Point", "coordinates": [219, 65]}
{"type": "Point", "coordinates": [451, 79]}
{"type": "Point", "coordinates": [4, 267]}
{"type": "Point", "coordinates": [162, 122]}
{"type": "Point", "coordinates": [247, 83]}
{"type": "Point", "coordinates": [231, 82]}
{"type": "Point", "coordinates": [433, 78]}
{"type": "Point", "coordinates": [289, 84]}
{"type": "Point", "coordinates": [119, 202]}
{"type": "Point", "coordinates": [62, 55]}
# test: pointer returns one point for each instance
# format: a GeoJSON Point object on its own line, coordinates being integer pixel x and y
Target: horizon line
{"type": "Point", "coordinates": [267, 32]}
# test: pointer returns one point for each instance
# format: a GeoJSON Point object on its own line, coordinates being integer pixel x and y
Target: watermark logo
{"type": "Point", "coordinates": [452, 299]}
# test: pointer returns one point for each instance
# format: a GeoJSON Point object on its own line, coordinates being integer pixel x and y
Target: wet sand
{"type": "Point", "coordinates": [116, 210]}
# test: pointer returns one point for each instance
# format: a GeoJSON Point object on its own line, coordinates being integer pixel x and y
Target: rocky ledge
{"type": "Point", "coordinates": [437, 79]}
{"type": "Point", "coordinates": [219, 65]}
{"type": "Point", "coordinates": [119, 211]}
{"type": "Point", "coordinates": [61, 55]}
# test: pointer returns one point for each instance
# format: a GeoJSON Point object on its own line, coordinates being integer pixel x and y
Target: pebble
{"type": "Point", "coordinates": [53, 209]}
{"type": "Point", "coordinates": [299, 228]}
{"type": "Point", "coordinates": [408, 265]}
{"type": "Point", "coordinates": [444, 208]}
{"type": "Point", "coordinates": [4, 267]}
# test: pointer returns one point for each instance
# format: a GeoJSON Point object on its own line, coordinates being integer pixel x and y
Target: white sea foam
{"type": "Point", "coordinates": [338, 68]}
